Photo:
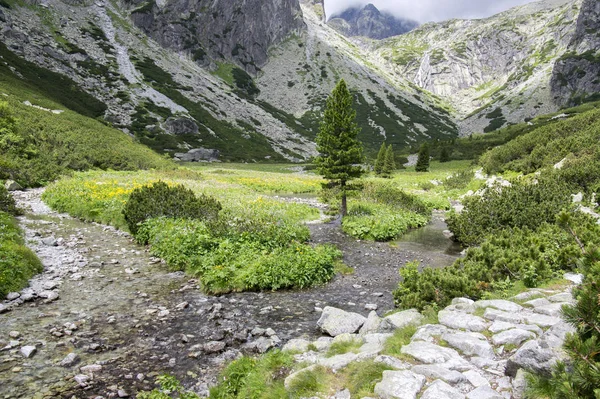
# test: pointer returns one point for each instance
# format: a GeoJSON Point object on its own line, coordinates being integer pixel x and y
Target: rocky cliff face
{"type": "Point", "coordinates": [576, 75]}
{"type": "Point", "coordinates": [240, 31]}
{"type": "Point", "coordinates": [370, 22]}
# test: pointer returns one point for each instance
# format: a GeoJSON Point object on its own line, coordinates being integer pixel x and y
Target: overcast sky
{"type": "Point", "coordinates": [430, 10]}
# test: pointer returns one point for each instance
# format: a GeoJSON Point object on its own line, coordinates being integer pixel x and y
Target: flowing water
{"type": "Point", "coordinates": [121, 311]}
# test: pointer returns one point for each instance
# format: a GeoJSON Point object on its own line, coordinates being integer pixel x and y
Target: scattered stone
{"type": "Point", "coordinates": [465, 301]}
{"type": "Point", "coordinates": [494, 314]}
{"type": "Point", "coordinates": [393, 362]}
{"type": "Point", "coordinates": [562, 297]}
{"type": "Point", "coordinates": [345, 394]}
{"type": "Point", "coordinates": [296, 345]}
{"type": "Point", "coordinates": [538, 302]}
{"type": "Point", "coordinates": [28, 351]}
{"type": "Point", "coordinates": [484, 392]}
{"type": "Point", "coordinates": [50, 241]}
{"type": "Point", "coordinates": [373, 324]}
{"type": "Point", "coordinates": [440, 390]}
{"type": "Point", "coordinates": [4, 308]}
{"type": "Point", "coordinates": [122, 393]}
{"type": "Point", "coordinates": [335, 321]}
{"type": "Point", "coordinates": [476, 379]}
{"type": "Point", "coordinates": [371, 306]}
{"type": "Point", "coordinates": [499, 304]}
{"type": "Point", "coordinates": [269, 332]}
{"type": "Point", "coordinates": [406, 318]}
{"type": "Point", "coordinates": [70, 360]}
{"type": "Point", "coordinates": [531, 357]}
{"type": "Point", "coordinates": [438, 372]}
{"type": "Point", "coordinates": [460, 320]}
{"type": "Point", "coordinates": [513, 337]}
{"type": "Point", "coordinates": [14, 334]}
{"type": "Point", "coordinates": [92, 368]}
{"type": "Point", "coordinates": [261, 345]}
{"type": "Point", "coordinates": [399, 385]}
{"type": "Point", "coordinates": [214, 346]}
{"type": "Point", "coordinates": [82, 380]}
{"type": "Point", "coordinates": [519, 384]}
{"type": "Point", "coordinates": [523, 296]}
{"type": "Point", "coordinates": [182, 305]}
{"type": "Point", "coordinates": [12, 296]}
{"type": "Point", "coordinates": [429, 353]}
{"type": "Point", "coordinates": [428, 332]}
{"type": "Point", "coordinates": [542, 320]}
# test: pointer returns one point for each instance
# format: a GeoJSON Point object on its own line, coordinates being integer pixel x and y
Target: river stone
{"type": "Point", "coordinates": [399, 385]}
{"type": "Point", "coordinates": [437, 372]}
{"type": "Point", "coordinates": [289, 380]}
{"type": "Point", "coordinates": [92, 368]}
{"type": "Point", "coordinates": [81, 379]}
{"type": "Point", "coordinates": [460, 320]}
{"type": "Point", "coordinates": [373, 324]}
{"type": "Point", "coordinates": [499, 304]}
{"type": "Point", "coordinates": [12, 296]}
{"type": "Point", "coordinates": [531, 357]}
{"type": "Point", "coordinates": [542, 320]}
{"type": "Point", "coordinates": [296, 345]}
{"type": "Point", "coordinates": [484, 392]}
{"type": "Point", "coordinates": [50, 241]}
{"type": "Point", "coordinates": [428, 332]}
{"type": "Point", "coordinates": [475, 378]}
{"type": "Point", "coordinates": [470, 344]}
{"type": "Point", "coordinates": [28, 351]}
{"type": "Point", "coordinates": [494, 314]}
{"type": "Point", "coordinates": [429, 353]}
{"type": "Point", "coordinates": [215, 346]}
{"type": "Point", "coordinates": [11, 185]}
{"type": "Point", "coordinates": [513, 337]}
{"type": "Point", "coordinates": [440, 390]}
{"type": "Point", "coordinates": [335, 321]}
{"type": "Point", "coordinates": [410, 317]}
{"type": "Point", "coordinates": [70, 360]}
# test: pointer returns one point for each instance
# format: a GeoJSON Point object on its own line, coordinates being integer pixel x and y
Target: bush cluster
{"type": "Point", "coordinates": [160, 199]}
{"type": "Point", "coordinates": [7, 202]}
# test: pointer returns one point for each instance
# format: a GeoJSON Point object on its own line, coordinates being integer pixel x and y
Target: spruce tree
{"type": "Point", "coordinates": [444, 155]}
{"type": "Point", "coordinates": [379, 162]}
{"type": "Point", "coordinates": [423, 160]}
{"type": "Point", "coordinates": [337, 143]}
{"type": "Point", "coordinates": [389, 165]}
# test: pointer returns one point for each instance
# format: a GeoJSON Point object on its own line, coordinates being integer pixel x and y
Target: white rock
{"type": "Point", "coordinates": [466, 301]}
{"type": "Point", "coordinates": [499, 304]}
{"type": "Point", "coordinates": [538, 302]}
{"type": "Point", "coordinates": [393, 362]}
{"type": "Point", "coordinates": [460, 320]}
{"type": "Point", "coordinates": [475, 378]}
{"type": "Point", "coordinates": [562, 297]}
{"type": "Point", "coordinates": [372, 324]}
{"type": "Point", "coordinates": [82, 380]}
{"type": "Point", "coordinates": [532, 357]}
{"type": "Point", "coordinates": [14, 334]}
{"type": "Point", "coordinates": [92, 368]}
{"type": "Point", "coordinates": [494, 314]}
{"type": "Point", "coordinates": [406, 318]}
{"type": "Point", "coordinates": [399, 385]}
{"type": "Point", "coordinates": [28, 351]}
{"type": "Point", "coordinates": [433, 371]}
{"type": "Point", "coordinates": [440, 390]}
{"type": "Point", "coordinates": [429, 353]}
{"type": "Point", "coordinates": [576, 279]}
{"type": "Point", "coordinates": [335, 321]}
{"type": "Point", "coordinates": [69, 360]}
{"type": "Point", "coordinates": [526, 295]}
{"type": "Point", "coordinates": [296, 345]}
{"type": "Point", "coordinates": [484, 392]}
{"type": "Point", "coordinates": [542, 320]}
{"type": "Point", "coordinates": [498, 326]}
{"type": "Point", "coordinates": [371, 306]}
{"type": "Point", "coordinates": [428, 332]}
{"type": "Point", "coordinates": [470, 344]}
{"type": "Point", "coordinates": [513, 337]}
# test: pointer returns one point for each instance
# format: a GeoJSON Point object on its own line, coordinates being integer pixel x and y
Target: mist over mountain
{"type": "Point", "coordinates": [369, 22]}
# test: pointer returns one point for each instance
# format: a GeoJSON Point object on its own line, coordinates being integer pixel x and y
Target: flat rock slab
{"type": "Point", "coordinates": [553, 309]}
{"type": "Point", "coordinates": [399, 385]}
{"type": "Point", "coordinates": [562, 297]}
{"type": "Point", "coordinates": [335, 321]}
{"type": "Point", "coordinates": [296, 345]}
{"type": "Point", "coordinates": [500, 315]}
{"type": "Point", "coordinates": [433, 371]}
{"type": "Point", "coordinates": [513, 337]}
{"type": "Point", "coordinates": [471, 344]}
{"type": "Point", "coordinates": [440, 390]}
{"type": "Point", "coordinates": [542, 320]}
{"type": "Point", "coordinates": [475, 378]}
{"type": "Point", "coordinates": [338, 362]}
{"type": "Point", "coordinates": [499, 304]}
{"type": "Point", "coordinates": [538, 302]}
{"type": "Point", "coordinates": [460, 320]}
{"type": "Point", "coordinates": [484, 392]}
{"type": "Point", "coordinates": [429, 353]}
{"type": "Point", "coordinates": [428, 332]}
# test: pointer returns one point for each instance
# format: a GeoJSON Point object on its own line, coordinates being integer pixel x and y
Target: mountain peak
{"type": "Point", "coordinates": [368, 21]}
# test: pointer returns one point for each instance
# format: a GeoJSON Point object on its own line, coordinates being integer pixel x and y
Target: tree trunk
{"type": "Point", "coordinates": [344, 208]}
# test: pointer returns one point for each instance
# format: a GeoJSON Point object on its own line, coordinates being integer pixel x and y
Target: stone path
{"type": "Point", "coordinates": [479, 350]}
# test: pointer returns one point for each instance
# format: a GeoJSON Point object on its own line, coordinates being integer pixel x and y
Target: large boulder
{"type": "Point", "coordinates": [471, 344]}
{"type": "Point", "coordinates": [181, 126]}
{"type": "Point", "coordinates": [532, 357]}
{"type": "Point", "coordinates": [12, 185]}
{"type": "Point", "coordinates": [336, 321]}
{"type": "Point", "coordinates": [198, 155]}
{"type": "Point", "coordinates": [410, 317]}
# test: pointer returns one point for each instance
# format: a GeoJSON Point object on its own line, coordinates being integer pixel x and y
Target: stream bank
{"type": "Point", "coordinates": [106, 317]}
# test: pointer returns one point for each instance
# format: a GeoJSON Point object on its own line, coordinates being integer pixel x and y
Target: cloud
{"type": "Point", "coordinates": [430, 10]}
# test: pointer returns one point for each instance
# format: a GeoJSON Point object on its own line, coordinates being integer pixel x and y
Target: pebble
{"type": "Point", "coordinates": [70, 360]}
{"type": "Point", "coordinates": [14, 334]}
{"type": "Point", "coordinates": [371, 306]}
{"type": "Point", "coordinates": [28, 351]}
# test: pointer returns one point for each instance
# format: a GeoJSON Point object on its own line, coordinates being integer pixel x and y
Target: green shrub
{"type": "Point", "coordinates": [160, 199]}
{"type": "Point", "coordinates": [7, 202]}
{"type": "Point", "coordinates": [459, 180]}
{"type": "Point", "coordinates": [170, 388]}
{"type": "Point", "coordinates": [17, 262]}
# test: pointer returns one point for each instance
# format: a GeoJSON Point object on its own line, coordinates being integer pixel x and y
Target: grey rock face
{"type": "Point", "coordinates": [576, 74]}
{"type": "Point", "coordinates": [370, 22]}
{"type": "Point", "coordinates": [470, 344]}
{"type": "Point", "coordinates": [198, 155]}
{"type": "Point", "coordinates": [399, 385]}
{"type": "Point", "coordinates": [335, 321]}
{"type": "Point", "coordinates": [181, 126]}
{"type": "Point", "coordinates": [531, 357]}
{"type": "Point", "coordinates": [429, 353]}
{"type": "Point", "coordinates": [513, 337]}
{"type": "Point", "coordinates": [238, 31]}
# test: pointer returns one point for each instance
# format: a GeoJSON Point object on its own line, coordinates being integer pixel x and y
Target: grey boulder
{"type": "Point", "coordinates": [335, 321]}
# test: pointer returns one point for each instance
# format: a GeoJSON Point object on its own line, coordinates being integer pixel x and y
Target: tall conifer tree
{"type": "Point", "coordinates": [380, 161]}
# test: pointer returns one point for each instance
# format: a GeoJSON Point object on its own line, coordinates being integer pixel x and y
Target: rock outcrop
{"type": "Point", "coordinates": [369, 22]}
{"type": "Point", "coordinates": [198, 155]}
{"type": "Point", "coordinates": [576, 75]}
{"type": "Point", "coordinates": [241, 32]}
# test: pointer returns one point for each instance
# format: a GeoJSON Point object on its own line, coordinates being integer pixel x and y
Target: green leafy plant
{"type": "Point", "coordinates": [160, 199]}
{"type": "Point", "coordinates": [7, 202]}
{"type": "Point", "coordinates": [169, 388]}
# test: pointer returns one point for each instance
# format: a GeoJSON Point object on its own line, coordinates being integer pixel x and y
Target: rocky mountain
{"type": "Point", "coordinates": [576, 75]}
{"type": "Point", "coordinates": [369, 22]}
{"type": "Point", "coordinates": [250, 78]}
{"type": "Point", "coordinates": [491, 71]}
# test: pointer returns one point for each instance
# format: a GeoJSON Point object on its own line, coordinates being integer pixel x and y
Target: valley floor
{"type": "Point", "coordinates": [106, 318]}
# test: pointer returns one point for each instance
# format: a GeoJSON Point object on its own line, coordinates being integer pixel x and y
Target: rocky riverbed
{"type": "Point", "coordinates": [105, 317]}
